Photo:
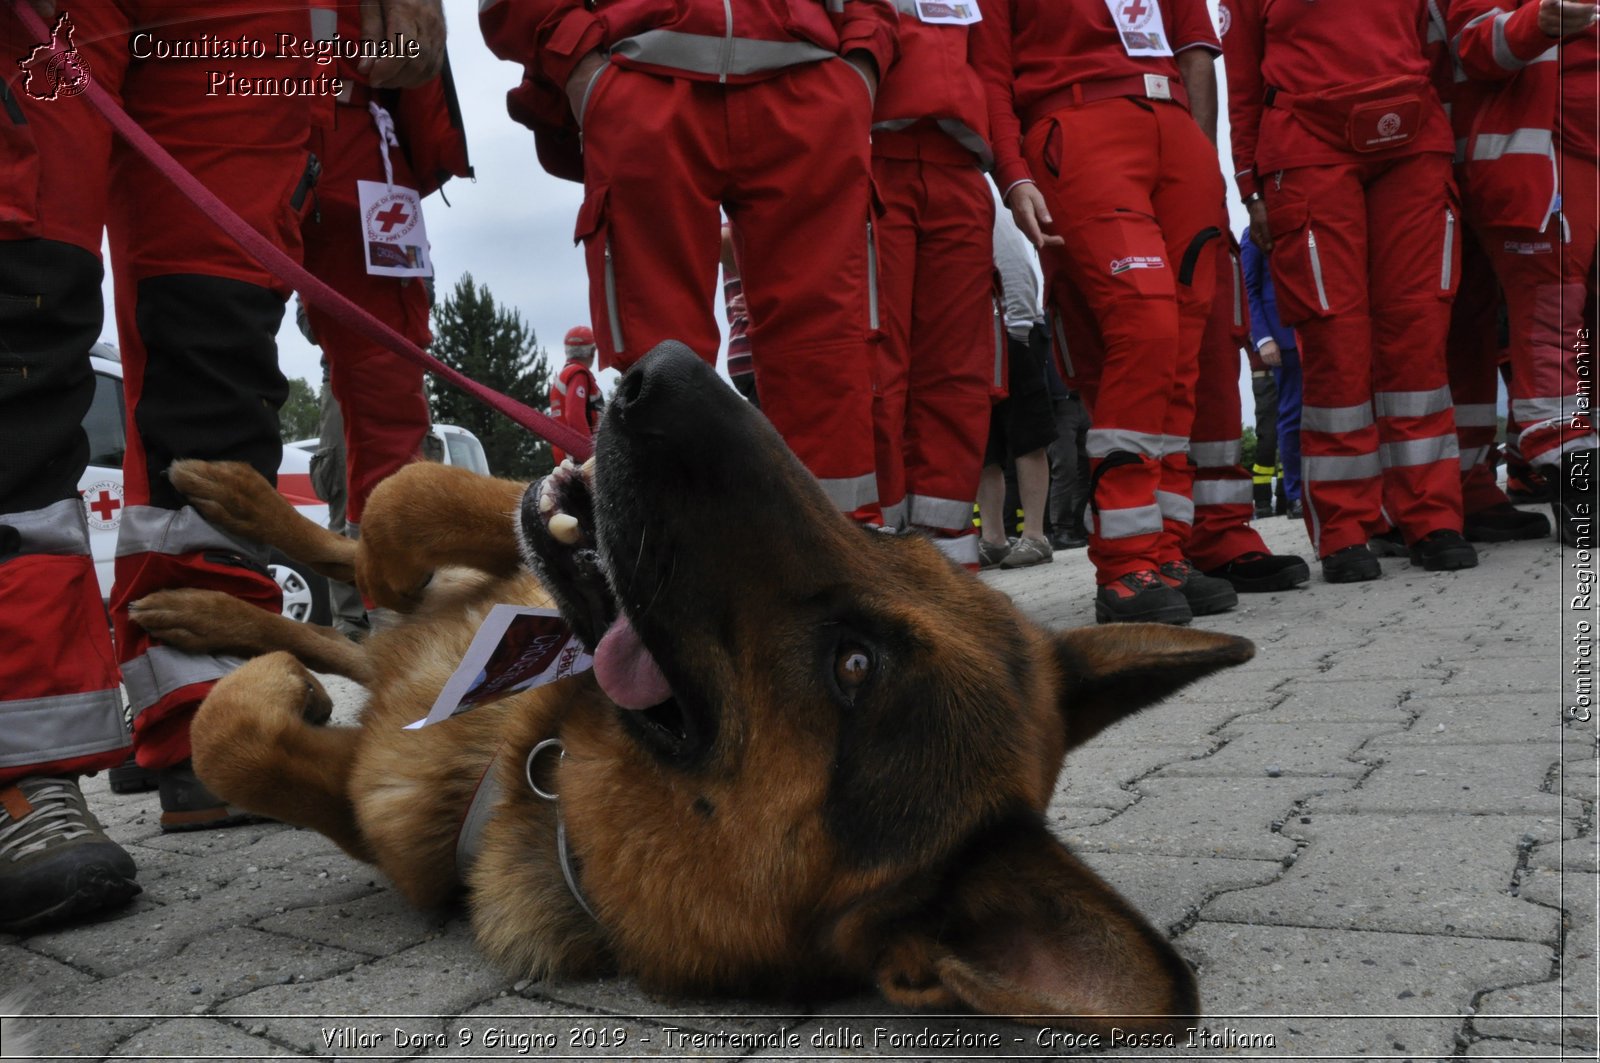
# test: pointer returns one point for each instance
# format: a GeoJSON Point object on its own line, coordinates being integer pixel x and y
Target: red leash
{"type": "Point", "coordinates": [312, 290]}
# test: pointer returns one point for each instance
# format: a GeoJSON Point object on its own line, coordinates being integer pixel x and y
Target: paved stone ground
{"type": "Point", "coordinates": [1376, 839]}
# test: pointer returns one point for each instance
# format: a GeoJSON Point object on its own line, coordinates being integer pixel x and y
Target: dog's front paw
{"type": "Point", "coordinates": [192, 620]}
{"type": "Point", "coordinates": [230, 494]}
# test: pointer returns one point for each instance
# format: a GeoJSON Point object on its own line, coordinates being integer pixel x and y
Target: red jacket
{"type": "Point", "coordinates": [1311, 51]}
{"type": "Point", "coordinates": [934, 79]}
{"type": "Point", "coordinates": [427, 119]}
{"type": "Point", "coordinates": [1507, 109]}
{"type": "Point", "coordinates": [574, 400]}
{"type": "Point", "coordinates": [707, 40]}
{"type": "Point", "coordinates": [1029, 51]}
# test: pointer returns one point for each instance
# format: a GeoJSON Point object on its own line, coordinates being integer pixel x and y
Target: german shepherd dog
{"type": "Point", "coordinates": [810, 757]}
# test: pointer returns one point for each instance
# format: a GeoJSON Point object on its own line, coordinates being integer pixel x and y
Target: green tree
{"type": "Point", "coordinates": [301, 416]}
{"type": "Point", "coordinates": [1247, 442]}
{"type": "Point", "coordinates": [493, 346]}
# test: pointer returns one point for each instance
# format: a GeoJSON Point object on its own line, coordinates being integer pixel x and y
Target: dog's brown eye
{"type": "Point", "coordinates": [852, 667]}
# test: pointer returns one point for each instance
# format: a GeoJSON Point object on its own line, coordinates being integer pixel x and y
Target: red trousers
{"type": "Point", "coordinates": [1473, 359]}
{"type": "Point", "coordinates": [200, 365]}
{"type": "Point", "coordinates": [936, 305]}
{"type": "Point", "coordinates": [380, 394]}
{"type": "Point", "coordinates": [1365, 261]}
{"type": "Point", "coordinates": [1133, 187]}
{"type": "Point", "coordinates": [1549, 283]}
{"type": "Point", "coordinates": [787, 159]}
{"type": "Point", "coordinates": [1224, 503]}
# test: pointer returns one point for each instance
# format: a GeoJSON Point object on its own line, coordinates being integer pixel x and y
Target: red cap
{"type": "Point", "coordinates": [579, 334]}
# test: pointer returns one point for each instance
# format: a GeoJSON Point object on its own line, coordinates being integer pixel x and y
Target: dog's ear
{"type": "Point", "coordinates": [1022, 928]}
{"type": "Point", "coordinates": [1115, 670]}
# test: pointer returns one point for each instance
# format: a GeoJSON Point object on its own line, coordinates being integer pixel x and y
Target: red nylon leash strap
{"type": "Point", "coordinates": [312, 290]}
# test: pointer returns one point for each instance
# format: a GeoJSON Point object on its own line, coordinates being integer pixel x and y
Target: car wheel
{"type": "Point", "coordinates": [305, 593]}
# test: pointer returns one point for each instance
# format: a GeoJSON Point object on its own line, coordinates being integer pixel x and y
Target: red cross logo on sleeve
{"type": "Point", "coordinates": [105, 506]}
{"type": "Point", "coordinates": [395, 215]}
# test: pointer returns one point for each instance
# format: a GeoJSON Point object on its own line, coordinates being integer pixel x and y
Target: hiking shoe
{"type": "Point", "coordinates": [129, 778]}
{"type": "Point", "coordinates": [1353, 564]}
{"type": "Point", "coordinates": [186, 804]}
{"type": "Point", "coordinates": [991, 554]}
{"type": "Point", "coordinates": [55, 860]}
{"type": "Point", "coordinates": [1525, 486]}
{"type": "Point", "coordinates": [1575, 487]}
{"type": "Point", "coordinates": [1256, 572]}
{"type": "Point", "coordinates": [1504, 523]}
{"type": "Point", "coordinates": [1141, 597]}
{"type": "Point", "coordinates": [1027, 551]}
{"type": "Point", "coordinates": [1443, 551]}
{"type": "Point", "coordinates": [1390, 544]}
{"type": "Point", "coordinates": [1205, 594]}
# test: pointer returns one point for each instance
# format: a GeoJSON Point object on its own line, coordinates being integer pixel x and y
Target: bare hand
{"type": "Point", "coordinates": [1260, 233]}
{"type": "Point", "coordinates": [421, 21]}
{"type": "Point", "coordinates": [1562, 18]}
{"type": "Point", "coordinates": [1032, 215]}
{"type": "Point", "coordinates": [868, 67]}
{"type": "Point", "coordinates": [1270, 354]}
{"type": "Point", "coordinates": [578, 83]}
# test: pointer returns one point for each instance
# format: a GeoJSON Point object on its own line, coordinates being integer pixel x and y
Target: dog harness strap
{"type": "Point", "coordinates": [469, 837]}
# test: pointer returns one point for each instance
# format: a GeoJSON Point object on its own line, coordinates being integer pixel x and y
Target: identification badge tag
{"type": "Point", "coordinates": [1140, 26]}
{"type": "Point", "coordinates": [1157, 87]}
{"type": "Point", "coordinates": [949, 12]}
{"type": "Point", "coordinates": [392, 231]}
{"type": "Point", "coordinates": [517, 648]}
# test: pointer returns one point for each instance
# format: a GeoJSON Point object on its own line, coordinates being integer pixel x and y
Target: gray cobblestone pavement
{"type": "Point", "coordinates": [1376, 839]}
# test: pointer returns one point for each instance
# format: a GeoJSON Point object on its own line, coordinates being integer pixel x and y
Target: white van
{"type": "Point", "coordinates": [305, 593]}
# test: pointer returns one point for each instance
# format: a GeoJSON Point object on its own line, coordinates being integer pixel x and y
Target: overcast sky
{"type": "Point", "coordinates": [512, 226]}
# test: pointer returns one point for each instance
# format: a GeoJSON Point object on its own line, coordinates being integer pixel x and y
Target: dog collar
{"type": "Point", "coordinates": [469, 839]}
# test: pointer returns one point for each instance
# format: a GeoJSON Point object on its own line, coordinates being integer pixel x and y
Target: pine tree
{"type": "Point", "coordinates": [493, 346]}
{"type": "Point", "coordinates": [300, 417]}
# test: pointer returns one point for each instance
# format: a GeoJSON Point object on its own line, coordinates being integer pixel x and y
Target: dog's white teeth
{"type": "Point", "coordinates": [569, 465]}
{"type": "Point", "coordinates": [547, 498]}
{"type": "Point", "coordinates": [564, 528]}
{"type": "Point", "coordinates": [587, 468]}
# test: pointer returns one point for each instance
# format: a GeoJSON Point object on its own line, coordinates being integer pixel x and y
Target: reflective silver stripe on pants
{"type": "Point", "coordinates": [1527, 141]}
{"type": "Point", "coordinates": [850, 494]}
{"type": "Point", "coordinates": [59, 528]}
{"type": "Point", "coordinates": [162, 669]}
{"type": "Point", "coordinates": [1410, 403]}
{"type": "Point", "coordinates": [1223, 493]}
{"type": "Point", "coordinates": [149, 530]}
{"type": "Point", "coordinates": [1220, 455]}
{"type": "Point", "coordinates": [1126, 523]}
{"type": "Point", "coordinates": [1477, 415]}
{"type": "Point", "coordinates": [1335, 418]}
{"type": "Point", "coordinates": [41, 730]}
{"type": "Point", "coordinates": [1528, 412]}
{"type": "Point", "coordinates": [1583, 442]}
{"type": "Point", "coordinates": [947, 513]}
{"type": "Point", "coordinates": [1175, 507]}
{"type": "Point", "coordinates": [1473, 456]}
{"type": "Point", "coordinates": [716, 55]}
{"type": "Point", "coordinates": [1409, 452]}
{"type": "Point", "coordinates": [1329, 467]}
{"type": "Point", "coordinates": [962, 549]}
{"type": "Point", "coordinates": [1103, 441]}
{"type": "Point", "coordinates": [895, 516]}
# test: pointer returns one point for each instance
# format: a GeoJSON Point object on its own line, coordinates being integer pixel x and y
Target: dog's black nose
{"type": "Point", "coordinates": [667, 377]}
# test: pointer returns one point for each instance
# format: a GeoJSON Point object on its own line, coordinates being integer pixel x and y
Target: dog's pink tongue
{"type": "Point", "coordinates": [626, 671]}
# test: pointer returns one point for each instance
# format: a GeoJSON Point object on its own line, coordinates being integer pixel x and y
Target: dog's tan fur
{"type": "Point", "coordinates": [727, 879]}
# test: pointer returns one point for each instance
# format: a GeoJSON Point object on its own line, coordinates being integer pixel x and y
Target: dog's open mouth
{"type": "Point", "coordinates": [560, 538]}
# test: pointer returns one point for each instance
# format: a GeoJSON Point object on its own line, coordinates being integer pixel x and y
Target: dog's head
{"type": "Point", "coordinates": [880, 729]}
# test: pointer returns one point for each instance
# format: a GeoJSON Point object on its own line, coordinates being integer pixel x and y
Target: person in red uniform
{"type": "Point", "coordinates": [1342, 153]}
{"type": "Point", "coordinates": [574, 395]}
{"type": "Point", "coordinates": [1528, 180]}
{"type": "Point", "coordinates": [410, 138]}
{"type": "Point", "coordinates": [761, 109]}
{"type": "Point", "coordinates": [936, 283]}
{"type": "Point", "coordinates": [1105, 169]}
{"type": "Point", "coordinates": [203, 382]}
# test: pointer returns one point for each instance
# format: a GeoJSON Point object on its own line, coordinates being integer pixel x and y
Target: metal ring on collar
{"type": "Point", "coordinates": [533, 754]}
